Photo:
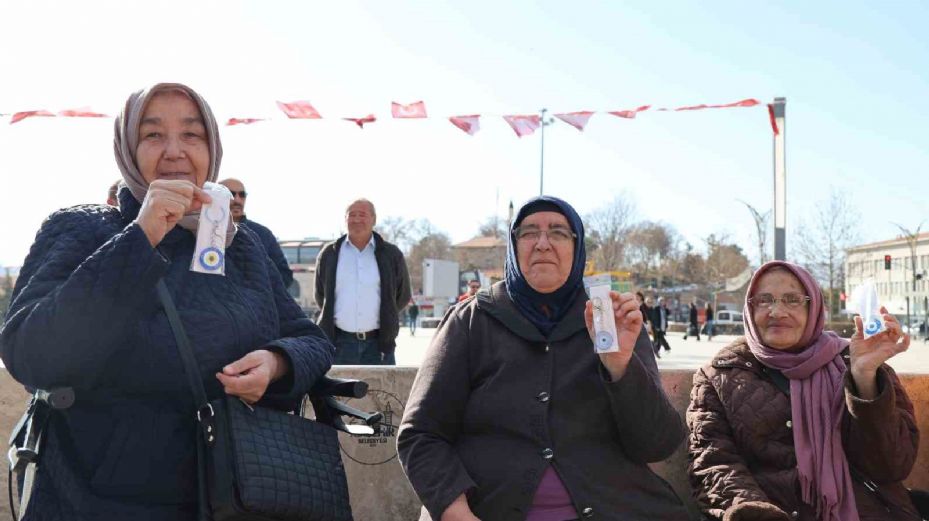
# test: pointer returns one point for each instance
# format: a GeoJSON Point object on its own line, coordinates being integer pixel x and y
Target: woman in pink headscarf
{"type": "Point", "coordinates": [793, 422]}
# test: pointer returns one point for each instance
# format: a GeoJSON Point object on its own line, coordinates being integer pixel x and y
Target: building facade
{"type": "Point", "coordinates": [895, 285]}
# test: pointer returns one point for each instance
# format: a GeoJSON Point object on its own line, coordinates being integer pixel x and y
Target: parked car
{"type": "Point", "coordinates": [728, 322]}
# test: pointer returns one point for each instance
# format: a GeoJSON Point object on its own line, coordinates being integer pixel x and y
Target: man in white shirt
{"type": "Point", "coordinates": [362, 283]}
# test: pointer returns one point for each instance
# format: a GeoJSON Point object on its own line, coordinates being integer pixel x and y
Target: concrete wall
{"type": "Point", "coordinates": [379, 490]}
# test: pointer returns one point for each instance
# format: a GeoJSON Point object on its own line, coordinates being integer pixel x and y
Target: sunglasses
{"type": "Point", "coordinates": [243, 194]}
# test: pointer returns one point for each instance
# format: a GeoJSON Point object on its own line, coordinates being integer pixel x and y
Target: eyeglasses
{"type": "Point", "coordinates": [243, 194]}
{"type": "Point", "coordinates": [767, 300]}
{"type": "Point", "coordinates": [555, 235]}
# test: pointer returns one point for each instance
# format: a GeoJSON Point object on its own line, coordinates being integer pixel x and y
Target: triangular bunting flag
{"type": "Point", "coordinates": [524, 125]}
{"type": "Point", "coordinates": [411, 111]}
{"type": "Point", "coordinates": [470, 124]}
{"type": "Point", "coordinates": [298, 110]}
{"type": "Point", "coordinates": [577, 120]}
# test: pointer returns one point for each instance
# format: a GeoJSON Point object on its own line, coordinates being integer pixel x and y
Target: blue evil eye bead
{"type": "Point", "coordinates": [604, 340]}
{"type": "Point", "coordinates": [873, 326]}
{"type": "Point", "coordinates": [211, 259]}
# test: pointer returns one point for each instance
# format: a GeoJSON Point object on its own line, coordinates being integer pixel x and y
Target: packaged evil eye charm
{"type": "Point", "coordinates": [864, 299]}
{"type": "Point", "coordinates": [210, 251]}
{"type": "Point", "coordinates": [598, 289]}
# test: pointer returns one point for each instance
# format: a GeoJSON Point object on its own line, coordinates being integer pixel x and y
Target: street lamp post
{"type": "Point", "coordinates": [543, 122]}
{"type": "Point", "coordinates": [911, 239]}
{"type": "Point", "coordinates": [780, 179]}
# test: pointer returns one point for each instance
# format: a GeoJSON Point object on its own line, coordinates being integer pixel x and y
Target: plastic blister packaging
{"type": "Point", "coordinates": [210, 250]}
{"type": "Point", "coordinates": [864, 301]}
{"type": "Point", "coordinates": [598, 289]}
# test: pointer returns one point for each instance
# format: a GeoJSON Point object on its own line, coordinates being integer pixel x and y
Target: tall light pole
{"type": "Point", "coordinates": [780, 180]}
{"type": "Point", "coordinates": [911, 239]}
{"type": "Point", "coordinates": [543, 122]}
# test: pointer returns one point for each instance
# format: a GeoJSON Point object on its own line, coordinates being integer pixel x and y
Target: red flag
{"type": "Point", "coordinates": [83, 112]}
{"type": "Point", "coordinates": [776, 130]}
{"type": "Point", "coordinates": [470, 124]}
{"type": "Point", "coordinates": [298, 110]}
{"type": "Point", "coordinates": [243, 121]}
{"type": "Point", "coordinates": [577, 120]}
{"type": "Point", "coordinates": [411, 111]}
{"type": "Point", "coordinates": [750, 102]}
{"type": "Point", "coordinates": [361, 121]}
{"type": "Point", "coordinates": [630, 114]}
{"type": "Point", "coordinates": [524, 125]}
{"type": "Point", "coordinates": [19, 116]}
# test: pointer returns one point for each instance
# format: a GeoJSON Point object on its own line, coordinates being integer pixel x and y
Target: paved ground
{"type": "Point", "coordinates": [684, 354]}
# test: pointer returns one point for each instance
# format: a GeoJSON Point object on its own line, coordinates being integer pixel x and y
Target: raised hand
{"type": "Point", "coordinates": [628, 320]}
{"type": "Point", "coordinates": [165, 204]}
{"type": "Point", "coordinates": [867, 354]}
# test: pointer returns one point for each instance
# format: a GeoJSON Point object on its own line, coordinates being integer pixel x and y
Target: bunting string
{"type": "Point", "coordinates": [522, 124]}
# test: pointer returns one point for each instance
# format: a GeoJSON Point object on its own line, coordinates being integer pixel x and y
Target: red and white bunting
{"type": "Point", "coordinates": [577, 120]}
{"type": "Point", "coordinates": [83, 112]}
{"type": "Point", "coordinates": [750, 102]}
{"type": "Point", "coordinates": [361, 121]}
{"type": "Point", "coordinates": [524, 125]}
{"type": "Point", "coordinates": [19, 116]}
{"type": "Point", "coordinates": [243, 121]}
{"type": "Point", "coordinates": [630, 114]}
{"type": "Point", "coordinates": [470, 124]}
{"type": "Point", "coordinates": [298, 110]}
{"type": "Point", "coordinates": [412, 111]}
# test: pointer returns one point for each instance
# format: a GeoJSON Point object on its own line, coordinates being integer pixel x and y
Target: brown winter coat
{"type": "Point", "coordinates": [741, 443]}
{"type": "Point", "coordinates": [495, 403]}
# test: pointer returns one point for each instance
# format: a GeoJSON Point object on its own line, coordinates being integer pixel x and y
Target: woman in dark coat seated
{"type": "Point", "coordinates": [793, 422]}
{"type": "Point", "coordinates": [85, 315]}
{"type": "Point", "coordinates": [513, 415]}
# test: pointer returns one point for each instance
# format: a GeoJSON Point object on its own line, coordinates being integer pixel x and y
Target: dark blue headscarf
{"type": "Point", "coordinates": [530, 301]}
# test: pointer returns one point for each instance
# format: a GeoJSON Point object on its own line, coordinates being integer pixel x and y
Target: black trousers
{"type": "Point", "coordinates": [660, 340]}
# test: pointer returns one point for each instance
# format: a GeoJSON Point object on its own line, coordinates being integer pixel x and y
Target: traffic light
{"type": "Point", "coordinates": [886, 262]}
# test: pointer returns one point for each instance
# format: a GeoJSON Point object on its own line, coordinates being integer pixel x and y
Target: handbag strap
{"type": "Point", "coordinates": [205, 412]}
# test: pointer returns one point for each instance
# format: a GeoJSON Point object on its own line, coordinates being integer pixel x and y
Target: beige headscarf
{"type": "Point", "coordinates": [126, 140]}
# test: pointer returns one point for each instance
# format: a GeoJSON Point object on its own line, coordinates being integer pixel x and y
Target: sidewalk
{"type": "Point", "coordinates": [685, 354]}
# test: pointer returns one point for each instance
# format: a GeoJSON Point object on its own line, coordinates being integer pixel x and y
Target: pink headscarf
{"type": "Point", "coordinates": [817, 401]}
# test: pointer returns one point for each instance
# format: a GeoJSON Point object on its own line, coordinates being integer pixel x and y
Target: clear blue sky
{"type": "Point", "coordinates": [855, 76]}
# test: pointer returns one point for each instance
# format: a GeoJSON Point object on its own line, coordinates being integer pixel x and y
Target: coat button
{"type": "Point", "coordinates": [748, 364]}
{"type": "Point", "coordinates": [546, 349]}
{"type": "Point", "coordinates": [790, 424]}
{"type": "Point", "coordinates": [542, 397]}
{"type": "Point", "coordinates": [548, 453]}
{"type": "Point", "coordinates": [588, 512]}
{"type": "Point", "coordinates": [795, 515]}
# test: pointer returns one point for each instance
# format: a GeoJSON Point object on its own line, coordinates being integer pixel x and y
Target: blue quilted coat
{"type": "Point", "coordinates": [85, 314]}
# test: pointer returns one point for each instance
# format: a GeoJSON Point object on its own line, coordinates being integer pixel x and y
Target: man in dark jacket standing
{"type": "Point", "coordinates": [361, 285]}
{"type": "Point", "coordinates": [237, 209]}
{"type": "Point", "coordinates": [693, 326]}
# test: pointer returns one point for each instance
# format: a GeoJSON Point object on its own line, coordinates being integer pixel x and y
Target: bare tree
{"type": "Point", "coordinates": [761, 230]}
{"type": "Point", "coordinates": [493, 226]}
{"type": "Point", "coordinates": [430, 244]}
{"type": "Point", "coordinates": [396, 230]}
{"type": "Point", "coordinates": [824, 239]}
{"type": "Point", "coordinates": [649, 249]}
{"type": "Point", "coordinates": [608, 228]}
{"type": "Point", "coordinates": [6, 292]}
{"type": "Point", "coordinates": [724, 259]}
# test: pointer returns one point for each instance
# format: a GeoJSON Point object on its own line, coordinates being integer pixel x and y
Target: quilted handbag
{"type": "Point", "coordinates": [257, 463]}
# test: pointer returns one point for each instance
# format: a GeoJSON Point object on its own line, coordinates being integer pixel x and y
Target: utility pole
{"type": "Point", "coordinates": [543, 123]}
{"type": "Point", "coordinates": [780, 180]}
{"type": "Point", "coordinates": [911, 238]}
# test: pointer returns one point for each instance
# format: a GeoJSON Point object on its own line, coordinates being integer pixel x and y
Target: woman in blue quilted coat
{"type": "Point", "coordinates": [85, 315]}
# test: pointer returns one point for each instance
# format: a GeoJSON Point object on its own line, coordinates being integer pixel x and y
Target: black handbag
{"type": "Point", "coordinates": [257, 463]}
